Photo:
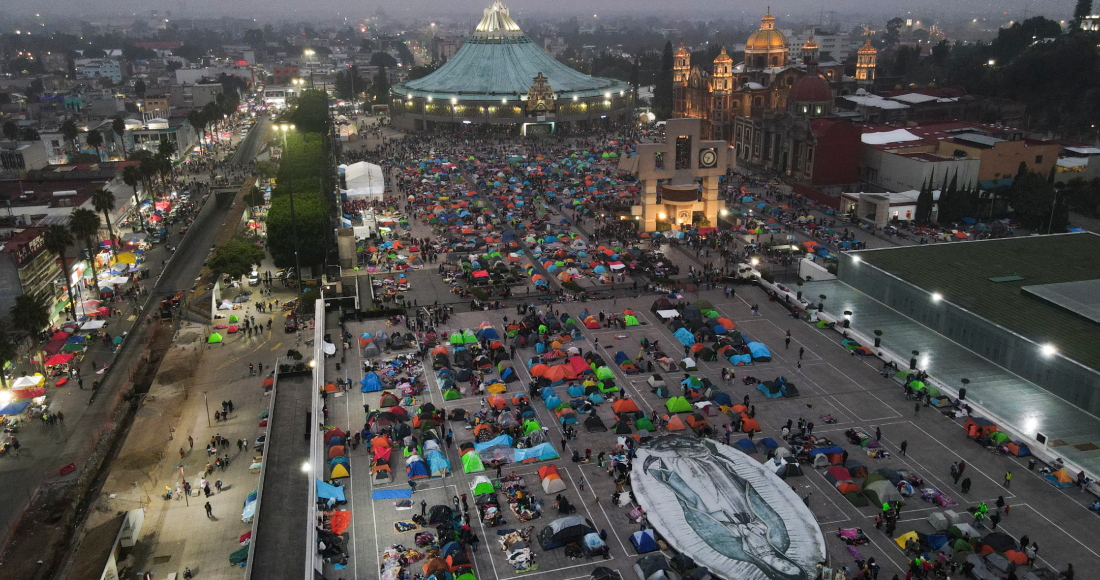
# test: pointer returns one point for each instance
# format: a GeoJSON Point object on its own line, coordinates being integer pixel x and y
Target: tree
{"type": "Point", "coordinates": [8, 351]}
{"type": "Point", "coordinates": [70, 132]}
{"type": "Point", "coordinates": [311, 114]}
{"type": "Point", "coordinates": [663, 91]}
{"type": "Point", "coordinates": [94, 139]}
{"type": "Point", "coordinates": [84, 224]}
{"type": "Point", "coordinates": [118, 126]}
{"type": "Point", "coordinates": [254, 197]}
{"type": "Point", "coordinates": [236, 257]}
{"type": "Point", "coordinates": [311, 228]}
{"type": "Point", "coordinates": [195, 119]}
{"type": "Point", "coordinates": [167, 148]}
{"type": "Point", "coordinates": [635, 75]}
{"type": "Point", "coordinates": [11, 130]}
{"type": "Point", "coordinates": [1081, 11]}
{"type": "Point", "coordinates": [29, 134]}
{"type": "Point", "coordinates": [1032, 198]}
{"type": "Point", "coordinates": [893, 32]}
{"type": "Point", "coordinates": [57, 241]}
{"type": "Point", "coordinates": [349, 83]}
{"type": "Point", "coordinates": [384, 59]}
{"type": "Point", "coordinates": [131, 175]}
{"type": "Point", "coordinates": [103, 200]}
{"type": "Point", "coordinates": [139, 88]}
{"type": "Point", "coordinates": [30, 313]}
{"type": "Point", "coordinates": [381, 88]}
{"type": "Point", "coordinates": [924, 203]}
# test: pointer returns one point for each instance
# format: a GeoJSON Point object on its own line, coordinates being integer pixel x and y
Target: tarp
{"type": "Point", "coordinates": [329, 491]}
{"type": "Point", "coordinates": [540, 452]}
{"type": "Point", "coordinates": [371, 383]}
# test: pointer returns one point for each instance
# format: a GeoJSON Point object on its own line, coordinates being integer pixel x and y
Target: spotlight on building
{"type": "Point", "coordinates": [1048, 350]}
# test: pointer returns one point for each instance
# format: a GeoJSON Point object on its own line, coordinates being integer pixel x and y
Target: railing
{"type": "Point", "coordinates": [263, 472]}
{"type": "Point", "coordinates": [314, 565]}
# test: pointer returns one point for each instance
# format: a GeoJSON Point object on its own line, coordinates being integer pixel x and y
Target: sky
{"type": "Point", "coordinates": [408, 9]}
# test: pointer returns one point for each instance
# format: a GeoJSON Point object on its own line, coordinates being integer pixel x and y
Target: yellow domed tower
{"type": "Point", "coordinates": [809, 50]}
{"type": "Point", "coordinates": [723, 71]}
{"type": "Point", "coordinates": [721, 88]}
{"type": "Point", "coordinates": [681, 66]}
{"type": "Point", "coordinates": [866, 58]}
{"type": "Point", "coordinates": [767, 47]}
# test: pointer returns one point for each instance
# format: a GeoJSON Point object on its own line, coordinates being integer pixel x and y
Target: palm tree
{"type": "Point", "coordinates": [95, 139]}
{"type": "Point", "coordinates": [58, 239]}
{"type": "Point", "coordinates": [8, 351]}
{"type": "Point", "coordinates": [31, 313]}
{"type": "Point", "coordinates": [195, 119]}
{"type": "Point", "coordinates": [84, 224]}
{"type": "Point", "coordinates": [148, 168]}
{"type": "Point", "coordinates": [70, 132]}
{"type": "Point", "coordinates": [167, 149]}
{"type": "Point", "coordinates": [131, 175]}
{"type": "Point", "coordinates": [119, 127]}
{"type": "Point", "coordinates": [11, 130]}
{"type": "Point", "coordinates": [103, 200]}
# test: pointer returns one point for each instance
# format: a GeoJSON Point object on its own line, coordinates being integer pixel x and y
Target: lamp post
{"type": "Point", "coordinates": [293, 224]}
{"type": "Point", "coordinates": [309, 55]}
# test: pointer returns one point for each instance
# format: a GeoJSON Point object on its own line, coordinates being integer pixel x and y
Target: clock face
{"type": "Point", "coordinates": [708, 158]}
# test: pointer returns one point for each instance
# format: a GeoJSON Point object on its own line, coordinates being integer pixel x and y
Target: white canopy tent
{"type": "Point", "coordinates": [364, 181]}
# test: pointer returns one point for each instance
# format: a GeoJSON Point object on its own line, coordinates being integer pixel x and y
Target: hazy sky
{"type": "Point", "coordinates": [730, 9]}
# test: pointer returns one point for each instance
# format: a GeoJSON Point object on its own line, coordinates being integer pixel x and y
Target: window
{"type": "Point", "coordinates": [1038, 159]}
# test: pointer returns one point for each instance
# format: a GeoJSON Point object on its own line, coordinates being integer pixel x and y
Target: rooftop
{"type": "Point", "coordinates": [965, 272]}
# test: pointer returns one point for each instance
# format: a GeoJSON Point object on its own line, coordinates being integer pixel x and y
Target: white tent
{"type": "Point", "coordinates": [364, 181]}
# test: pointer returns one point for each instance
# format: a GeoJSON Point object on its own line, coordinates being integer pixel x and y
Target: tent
{"type": "Point", "coordinates": [438, 464]}
{"type": "Point", "coordinates": [365, 181]}
{"type": "Point", "coordinates": [594, 424]}
{"type": "Point", "coordinates": [388, 399]}
{"type": "Point", "coordinates": [416, 468]}
{"type": "Point", "coordinates": [482, 485]}
{"type": "Point", "coordinates": [684, 336]}
{"type": "Point", "coordinates": [644, 541]}
{"type": "Point", "coordinates": [602, 573]}
{"type": "Point", "coordinates": [759, 352]}
{"type": "Point", "coordinates": [339, 471]}
{"type": "Point", "coordinates": [678, 405]}
{"type": "Point", "coordinates": [745, 445]}
{"type": "Point", "coordinates": [624, 406]}
{"type": "Point", "coordinates": [371, 383]}
{"type": "Point", "coordinates": [564, 531]}
{"type": "Point", "coordinates": [1060, 478]}
{"type": "Point", "coordinates": [540, 452]}
{"type": "Point", "coordinates": [881, 491]}
{"type": "Point", "coordinates": [551, 481]}
{"type": "Point", "coordinates": [655, 567]}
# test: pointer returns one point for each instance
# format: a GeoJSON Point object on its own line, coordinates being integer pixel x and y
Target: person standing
{"type": "Point", "coordinates": [209, 510]}
{"type": "Point", "coordinates": [423, 508]}
{"type": "Point", "coordinates": [801, 351]}
{"type": "Point", "coordinates": [191, 441]}
{"type": "Point", "coordinates": [1008, 479]}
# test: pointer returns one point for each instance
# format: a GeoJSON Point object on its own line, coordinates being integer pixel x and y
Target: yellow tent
{"type": "Point", "coordinates": [127, 258]}
{"type": "Point", "coordinates": [902, 539]}
{"type": "Point", "coordinates": [339, 471]}
{"type": "Point", "coordinates": [497, 388]}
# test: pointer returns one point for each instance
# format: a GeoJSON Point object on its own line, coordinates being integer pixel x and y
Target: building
{"type": "Point", "coordinates": [1077, 162]}
{"type": "Point", "coordinates": [689, 168]}
{"type": "Point", "coordinates": [881, 208]}
{"type": "Point", "coordinates": [191, 76]}
{"type": "Point", "coordinates": [99, 68]}
{"type": "Point", "coordinates": [501, 77]}
{"type": "Point", "coordinates": [830, 47]}
{"type": "Point", "coordinates": [26, 267]}
{"type": "Point", "coordinates": [761, 83]}
{"type": "Point", "coordinates": [999, 149]}
{"type": "Point", "coordinates": [205, 93]}
{"type": "Point", "coordinates": [282, 75]}
{"type": "Point", "coordinates": [1018, 302]}
{"type": "Point", "coordinates": [159, 105]}
{"type": "Point", "coordinates": [443, 48]}
{"type": "Point", "coordinates": [912, 170]}
{"type": "Point", "coordinates": [22, 156]}
{"type": "Point", "coordinates": [174, 129]}
{"type": "Point", "coordinates": [804, 141]}
{"type": "Point", "coordinates": [277, 96]}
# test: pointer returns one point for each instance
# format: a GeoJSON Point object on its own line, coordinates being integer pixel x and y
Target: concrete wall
{"type": "Point", "coordinates": [1061, 376]}
{"type": "Point", "coordinates": [904, 173]}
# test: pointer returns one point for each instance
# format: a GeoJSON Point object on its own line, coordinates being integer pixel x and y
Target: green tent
{"type": "Point", "coordinates": [604, 373]}
{"type": "Point", "coordinates": [467, 575]}
{"type": "Point", "coordinates": [962, 545]}
{"type": "Point", "coordinates": [704, 305]}
{"type": "Point", "coordinates": [902, 376]}
{"type": "Point", "coordinates": [456, 338]}
{"type": "Point", "coordinates": [822, 324]}
{"type": "Point", "coordinates": [214, 338]}
{"type": "Point", "coordinates": [233, 318]}
{"type": "Point", "coordinates": [530, 425]}
{"type": "Point", "coordinates": [917, 385]}
{"type": "Point", "coordinates": [451, 395]}
{"type": "Point", "coordinates": [608, 387]}
{"type": "Point", "coordinates": [694, 382]}
{"type": "Point", "coordinates": [471, 463]}
{"type": "Point", "coordinates": [482, 485]}
{"type": "Point", "coordinates": [678, 405]}
{"type": "Point", "coordinates": [644, 423]}
{"type": "Point", "coordinates": [631, 320]}
{"type": "Point", "coordinates": [469, 337]}
{"type": "Point", "coordinates": [999, 438]}
{"type": "Point", "coordinates": [856, 499]}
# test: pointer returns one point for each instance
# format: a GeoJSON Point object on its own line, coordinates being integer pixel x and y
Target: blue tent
{"type": "Point", "coordinates": [746, 445]}
{"type": "Point", "coordinates": [576, 391]}
{"type": "Point", "coordinates": [620, 357]}
{"type": "Point", "coordinates": [685, 337]}
{"type": "Point", "coordinates": [488, 333]}
{"type": "Point", "coordinates": [830, 450]}
{"type": "Point", "coordinates": [335, 440]}
{"type": "Point", "coordinates": [546, 393]}
{"type": "Point", "coordinates": [329, 491]}
{"type": "Point", "coordinates": [722, 399]}
{"type": "Point", "coordinates": [371, 383]}
{"type": "Point", "coordinates": [719, 329]}
{"type": "Point", "coordinates": [438, 464]}
{"type": "Point", "coordinates": [741, 359]}
{"type": "Point", "coordinates": [553, 402]}
{"type": "Point", "coordinates": [508, 375]}
{"type": "Point", "coordinates": [768, 392]}
{"type": "Point", "coordinates": [416, 469]}
{"type": "Point", "coordinates": [936, 541]}
{"type": "Point", "coordinates": [505, 440]}
{"type": "Point", "coordinates": [759, 352]}
{"type": "Point", "coordinates": [540, 452]}
{"type": "Point", "coordinates": [644, 541]}
{"type": "Point", "coordinates": [337, 460]}
{"type": "Point", "coordinates": [768, 443]}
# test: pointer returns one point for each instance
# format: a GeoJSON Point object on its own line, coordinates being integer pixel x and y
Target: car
{"type": "Point", "coordinates": [156, 238]}
{"type": "Point", "coordinates": [290, 326]}
{"type": "Point", "coordinates": [183, 230]}
{"type": "Point", "coordinates": [254, 278]}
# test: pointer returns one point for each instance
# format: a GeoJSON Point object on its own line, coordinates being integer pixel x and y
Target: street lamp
{"type": "Point", "coordinates": [284, 127]}
{"type": "Point", "coordinates": [309, 54]}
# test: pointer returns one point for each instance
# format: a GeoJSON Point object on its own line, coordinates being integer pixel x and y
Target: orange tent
{"type": "Point", "coordinates": [726, 322]}
{"type": "Point", "coordinates": [380, 441]}
{"type": "Point", "coordinates": [675, 423]}
{"type": "Point", "coordinates": [846, 486]}
{"type": "Point", "coordinates": [330, 387]}
{"type": "Point", "coordinates": [624, 406]}
{"type": "Point", "coordinates": [539, 370]}
{"type": "Point", "coordinates": [439, 350]}
{"type": "Point", "coordinates": [497, 402]}
{"type": "Point", "coordinates": [483, 427]}
{"type": "Point", "coordinates": [335, 451]}
{"type": "Point", "coordinates": [1016, 557]}
{"type": "Point", "coordinates": [748, 424]}
{"type": "Point", "coordinates": [695, 420]}
{"type": "Point", "coordinates": [739, 409]}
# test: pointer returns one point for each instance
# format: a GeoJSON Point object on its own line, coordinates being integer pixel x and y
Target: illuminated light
{"type": "Point", "coordinates": [504, 101]}
{"type": "Point", "coordinates": [1048, 350]}
{"type": "Point", "coordinates": [856, 259]}
{"type": "Point", "coordinates": [662, 216]}
{"type": "Point", "coordinates": [575, 97]}
{"type": "Point", "coordinates": [306, 467]}
{"type": "Point", "coordinates": [454, 101]}
{"type": "Point", "coordinates": [936, 297]}
{"type": "Point", "coordinates": [607, 95]}
{"type": "Point", "coordinates": [724, 212]}
{"type": "Point", "coordinates": [429, 98]}
{"type": "Point", "coordinates": [755, 262]}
